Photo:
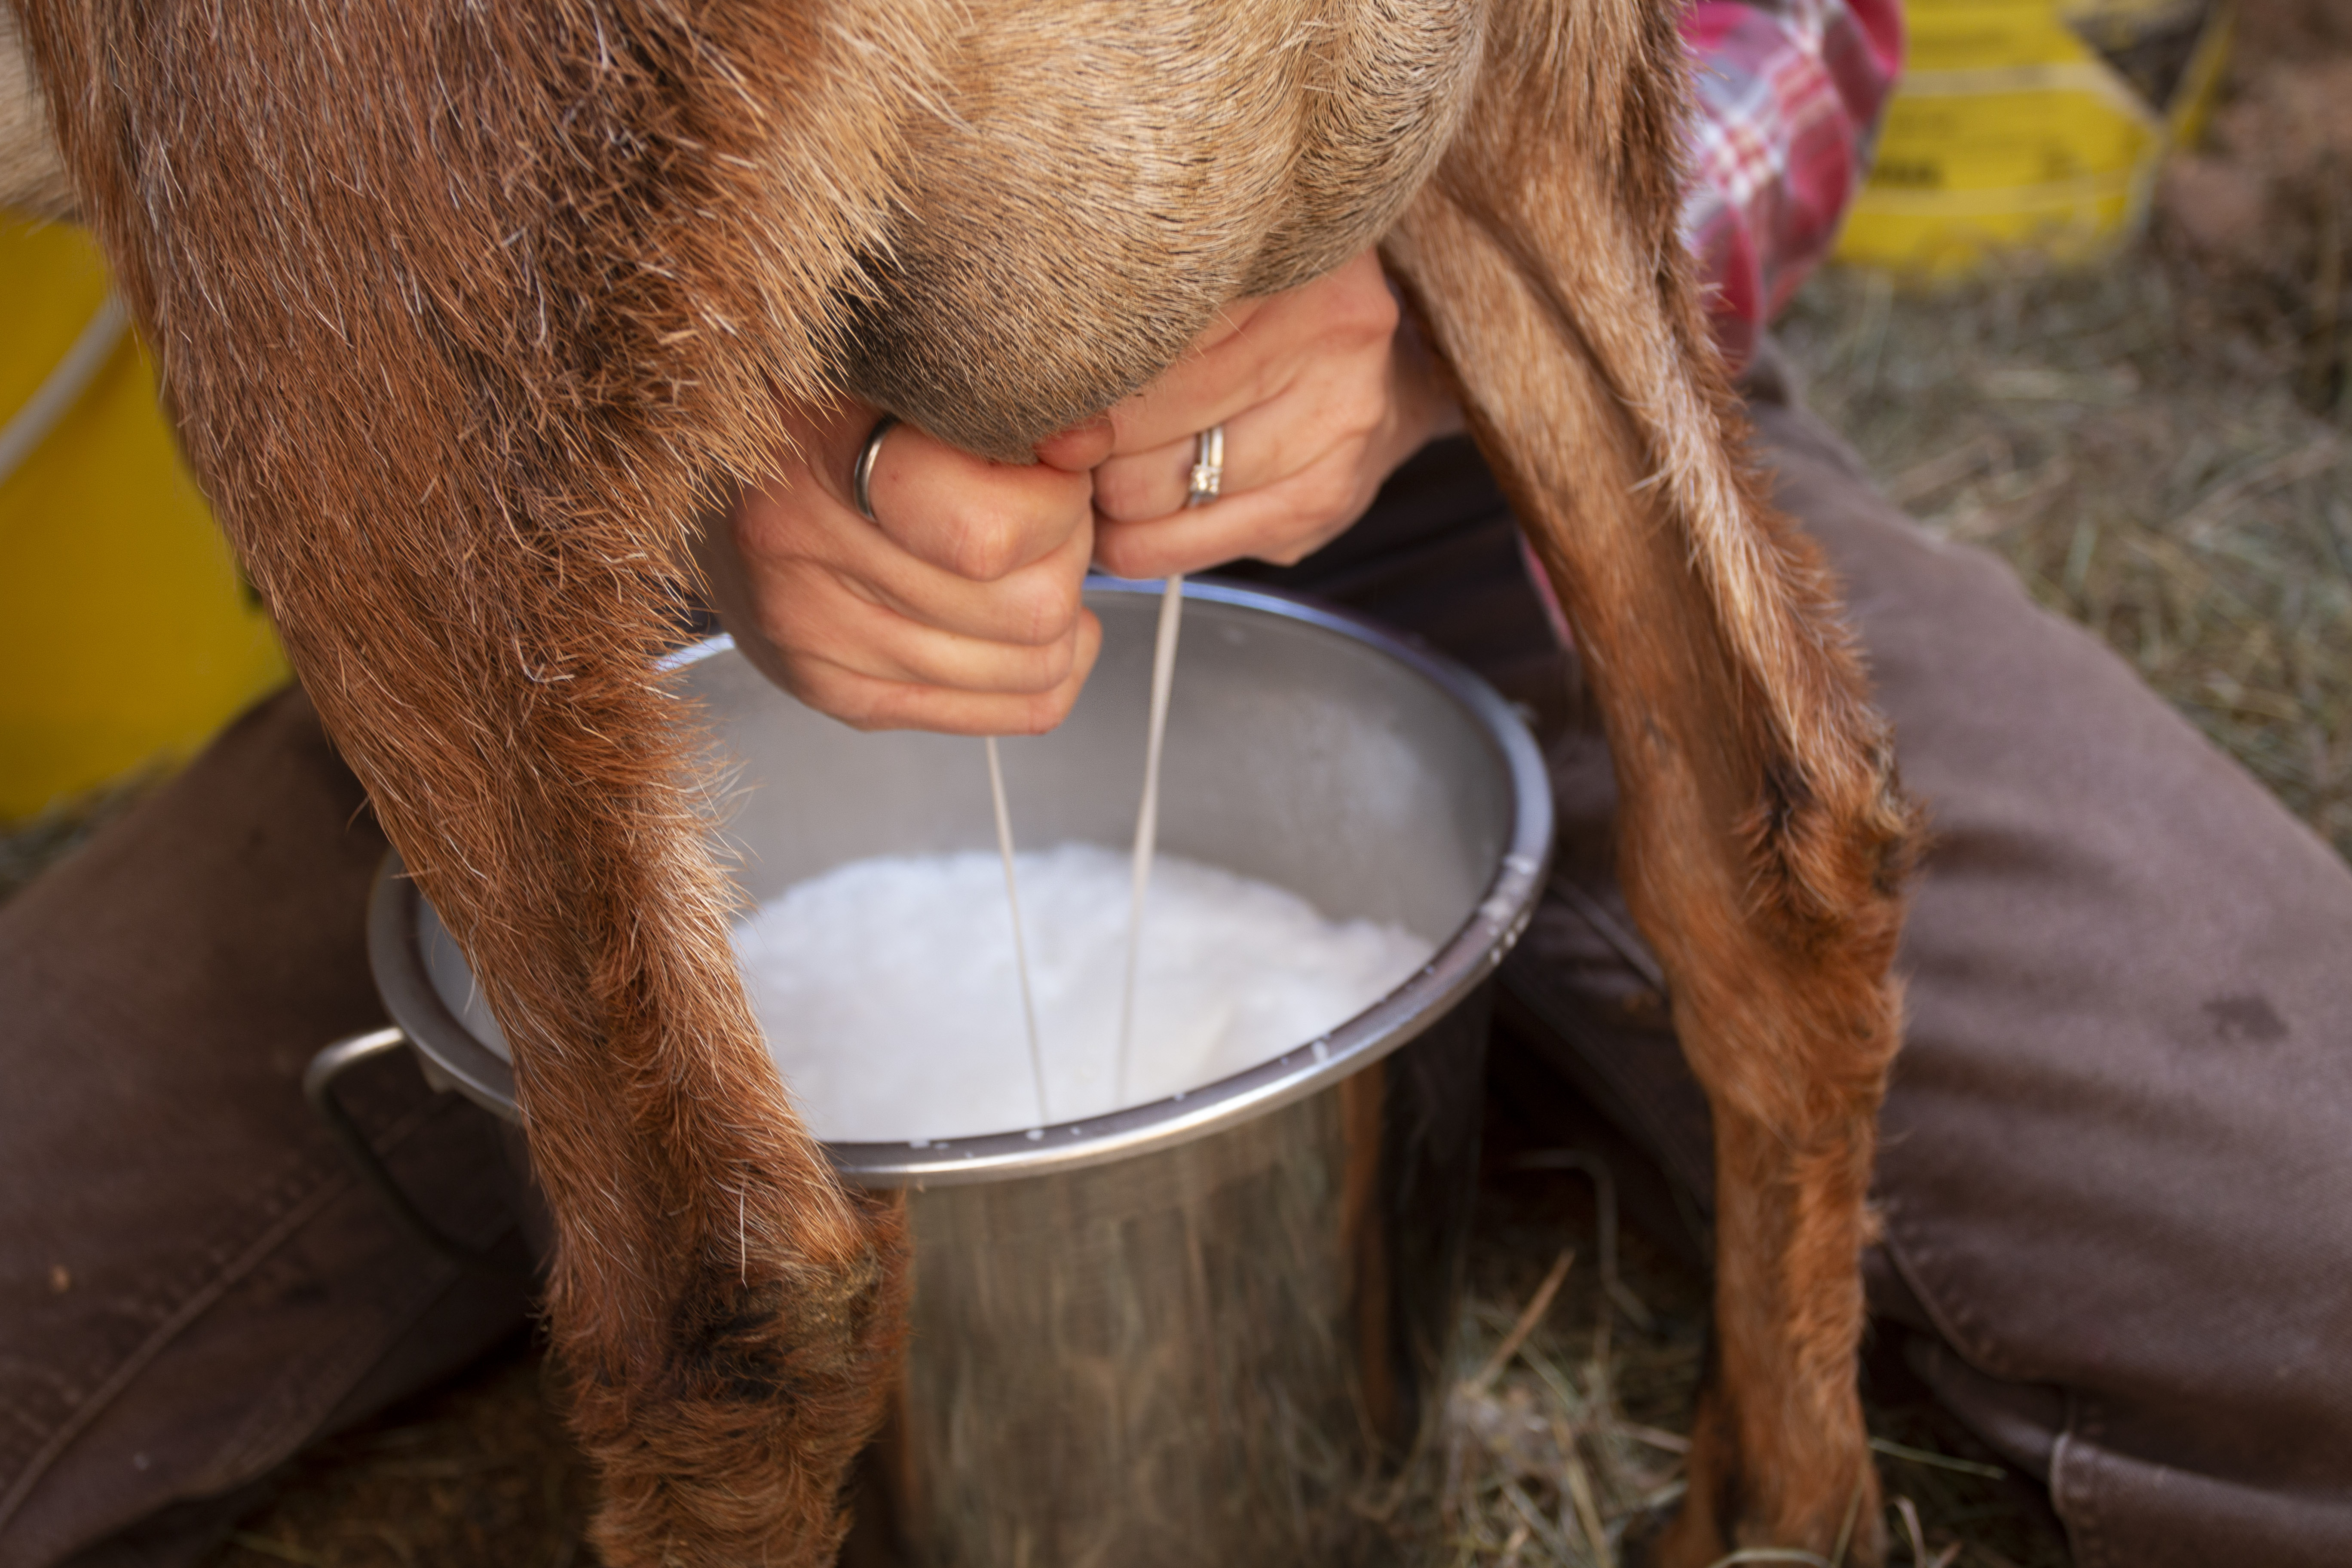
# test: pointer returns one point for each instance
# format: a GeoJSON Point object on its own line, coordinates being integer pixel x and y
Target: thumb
{"type": "Point", "coordinates": [1080, 447]}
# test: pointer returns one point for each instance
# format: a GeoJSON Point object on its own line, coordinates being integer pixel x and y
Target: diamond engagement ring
{"type": "Point", "coordinates": [1208, 465]}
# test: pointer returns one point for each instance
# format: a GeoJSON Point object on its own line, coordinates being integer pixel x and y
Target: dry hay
{"type": "Point", "coordinates": [2162, 448]}
{"type": "Point", "coordinates": [1568, 1406]}
{"type": "Point", "coordinates": [2172, 488]}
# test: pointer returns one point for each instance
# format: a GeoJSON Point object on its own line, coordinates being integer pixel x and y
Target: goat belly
{"type": "Point", "coordinates": [888, 991]}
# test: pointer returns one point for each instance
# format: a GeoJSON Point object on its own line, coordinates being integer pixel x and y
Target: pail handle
{"type": "Point", "coordinates": [318, 1088]}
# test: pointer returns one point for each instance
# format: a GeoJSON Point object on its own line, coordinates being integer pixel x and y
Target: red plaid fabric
{"type": "Point", "coordinates": [1788, 95]}
{"type": "Point", "coordinates": [1788, 100]}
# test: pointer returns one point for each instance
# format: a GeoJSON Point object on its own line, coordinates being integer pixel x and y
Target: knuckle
{"type": "Point", "coordinates": [1050, 612]}
{"type": "Point", "coordinates": [1059, 661]}
{"type": "Point", "coordinates": [802, 621]}
{"type": "Point", "coordinates": [880, 705]}
{"type": "Point", "coordinates": [1363, 414]}
{"type": "Point", "coordinates": [765, 531]}
{"type": "Point", "coordinates": [984, 547]}
{"type": "Point", "coordinates": [1118, 552]}
{"type": "Point", "coordinates": [1122, 495]}
{"type": "Point", "coordinates": [1327, 496]}
{"type": "Point", "coordinates": [776, 623]}
{"type": "Point", "coordinates": [1368, 314]}
{"type": "Point", "coordinates": [1035, 672]}
{"type": "Point", "coordinates": [1045, 712]}
{"type": "Point", "coordinates": [854, 703]}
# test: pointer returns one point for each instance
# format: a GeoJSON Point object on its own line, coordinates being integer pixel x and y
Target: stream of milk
{"type": "Point", "coordinates": [1147, 818]}
{"type": "Point", "coordinates": [889, 991]}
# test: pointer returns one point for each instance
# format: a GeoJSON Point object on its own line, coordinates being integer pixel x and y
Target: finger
{"type": "Point", "coordinates": [1034, 605]}
{"type": "Point", "coordinates": [1283, 523]}
{"type": "Point", "coordinates": [1144, 484]}
{"type": "Point", "coordinates": [1256, 350]}
{"type": "Point", "coordinates": [811, 612]}
{"type": "Point", "coordinates": [1080, 448]}
{"type": "Point", "coordinates": [830, 606]}
{"type": "Point", "coordinates": [867, 702]}
{"type": "Point", "coordinates": [1264, 444]}
{"type": "Point", "coordinates": [968, 516]}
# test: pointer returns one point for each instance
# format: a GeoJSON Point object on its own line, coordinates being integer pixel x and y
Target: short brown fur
{"type": "Point", "coordinates": [468, 310]}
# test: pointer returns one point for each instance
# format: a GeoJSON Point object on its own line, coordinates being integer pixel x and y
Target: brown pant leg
{"type": "Point", "coordinates": [2117, 1162]}
{"type": "Point", "coordinates": [2117, 1169]}
{"type": "Point", "coordinates": [191, 1285]}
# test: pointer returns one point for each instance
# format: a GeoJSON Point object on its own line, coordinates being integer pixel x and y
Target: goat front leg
{"type": "Point", "coordinates": [455, 303]}
{"type": "Point", "coordinates": [1762, 836]}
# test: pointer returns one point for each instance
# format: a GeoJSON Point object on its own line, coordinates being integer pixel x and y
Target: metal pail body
{"type": "Point", "coordinates": [1204, 1329]}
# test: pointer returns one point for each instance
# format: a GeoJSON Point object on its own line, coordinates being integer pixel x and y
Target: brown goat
{"type": "Point", "coordinates": [467, 310]}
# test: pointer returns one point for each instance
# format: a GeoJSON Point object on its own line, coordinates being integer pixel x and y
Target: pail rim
{"type": "Point", "coordinates": [455, 1053]}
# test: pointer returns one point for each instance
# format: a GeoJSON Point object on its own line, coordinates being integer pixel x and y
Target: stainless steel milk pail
{"type": "Point", "coordinates": [1202, 1330]}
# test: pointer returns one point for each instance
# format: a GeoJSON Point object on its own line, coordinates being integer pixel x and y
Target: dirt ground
{"type": "Point", "coordinates": [2163, 450]}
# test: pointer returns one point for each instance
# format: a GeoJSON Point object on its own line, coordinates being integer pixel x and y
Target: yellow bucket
{"type": "Point", "coordinates": [2032, 127]}
{"type": "Point", "coordinates": [126, 636]}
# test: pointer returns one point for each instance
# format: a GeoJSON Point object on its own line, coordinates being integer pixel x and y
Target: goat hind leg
{"type": "Point", "coordinates": [1762, 839]}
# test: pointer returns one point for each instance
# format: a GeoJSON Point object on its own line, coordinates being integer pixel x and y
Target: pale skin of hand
{"type": "Point", "coordinates": [957, 608]}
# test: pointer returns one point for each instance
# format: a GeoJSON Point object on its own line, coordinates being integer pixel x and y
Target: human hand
{"type": "Point", "coordinates": [1322, 394]}
{"type": "Point", "coordinates": [955, 609]}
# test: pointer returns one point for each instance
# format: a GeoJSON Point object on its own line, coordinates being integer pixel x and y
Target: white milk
{"type": "Point", "coordinates": [887, 992]}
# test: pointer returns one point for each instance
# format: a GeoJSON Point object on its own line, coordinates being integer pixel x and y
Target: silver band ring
{"type": "Point", "coordinates": [861, 478]}
{"type": "Point", "coordinates": [1208, 465]}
